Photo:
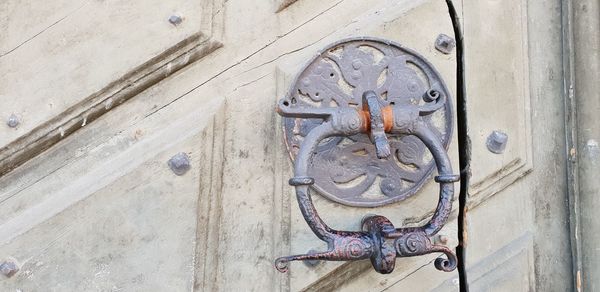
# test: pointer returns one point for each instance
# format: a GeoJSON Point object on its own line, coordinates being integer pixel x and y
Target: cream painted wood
{"type": "Point", "coordinates": [76, 60]}
{"type": "Point", "coordinates": [88, 46]}
{"type": "Point", "coordinates": [101, 210]}
{"type": "Point", "coordinates": [498, 87]}
{"type": "Point", "coordinates": [521, 220]}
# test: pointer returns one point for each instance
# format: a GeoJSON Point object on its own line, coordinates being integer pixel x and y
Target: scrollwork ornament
{"type": "Point", "coordinates": [336, 78]}
{"type": "Point", "coordinates": [410, 151]}
{"type": "Point", "coordinates": [412, 244]}
{"type": "Point", "coordinates": [356, 94]}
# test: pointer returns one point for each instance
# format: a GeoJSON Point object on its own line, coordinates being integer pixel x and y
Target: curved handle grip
{"type": "Point", "coordinates": [380, 240]}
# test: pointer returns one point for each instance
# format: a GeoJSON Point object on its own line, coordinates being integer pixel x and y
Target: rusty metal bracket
{"type": "Point", "coordinates": [353, 106]}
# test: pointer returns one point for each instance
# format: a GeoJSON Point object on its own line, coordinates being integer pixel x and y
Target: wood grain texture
{"type": "Point", "coordinates": [283, 4]}
{"type": "Point", "coordinates": [73, 76]}
{"type": "Point", "coordinates": [210, 202]}
{"type": "Point", "coordinates": [108, 210]}
{"type": "Point", "coordinates": [496, 38]}
{"type": "Point", "coordinates": [501, 270]}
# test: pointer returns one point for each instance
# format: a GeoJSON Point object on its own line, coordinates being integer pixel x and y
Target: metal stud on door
{"type": "Point", "coordinates": [364, 109]}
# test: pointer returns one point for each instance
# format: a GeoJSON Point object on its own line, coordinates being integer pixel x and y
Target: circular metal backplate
{"type": "Point", "coordinates": [346, 169]}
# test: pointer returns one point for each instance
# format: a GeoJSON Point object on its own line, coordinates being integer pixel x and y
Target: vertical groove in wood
{"type": "Point", "coordinates": [571, 141]}
{"type": "Point", "coordinates": [209, 204]}
{"type": "Point", "coordinates": [585, 58]}
{"type": "Point", "coordinates": [282, 190]}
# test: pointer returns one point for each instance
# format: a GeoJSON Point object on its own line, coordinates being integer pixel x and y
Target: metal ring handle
{"type": "Point", "coordinates": [370, 243]}
{"type": "Point", "coordinates": [444, 168]}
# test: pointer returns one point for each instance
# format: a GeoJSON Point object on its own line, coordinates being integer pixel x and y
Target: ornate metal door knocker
{"type": "Point", "coordinates": [368, 110]}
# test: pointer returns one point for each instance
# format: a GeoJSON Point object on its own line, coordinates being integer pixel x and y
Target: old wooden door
{"type": "Point", "coordinates": [100, 95]}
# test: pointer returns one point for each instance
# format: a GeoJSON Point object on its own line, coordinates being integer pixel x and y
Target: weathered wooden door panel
{"type": "Point", "coordinates": [100, 209]}
{"type": "Point", "coordinates": [106, 217]}
{"type": "Point", "coordinates": [523, 205]}
{"type": "Point", "coordinates": [496, 38]}
{"type": "Point", "coordinates": [100, 241]}
{"type": "Point", "coordinates": [76, 60]}
{"type": "Point", "coordinates": [503, 270]}
{"type": "Point", "coordinates": [498, 81]}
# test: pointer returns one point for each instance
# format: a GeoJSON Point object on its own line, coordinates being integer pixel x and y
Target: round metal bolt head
{"type": "Point", "coordinates": [180, 163]}
{"type": "Point", "coordinates": [445, 44]}
{"type": "Point", "coordinates": [496, 142]}
{"type": "Point", "coordinates": [9, 268]}
{"type": "Point", "coordinates": [175, 19]}
{"type": "Point", "coordinates": [12, 121]}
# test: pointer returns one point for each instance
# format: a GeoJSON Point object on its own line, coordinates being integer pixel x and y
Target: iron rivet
{"type": "Point", "coordinates": [175, 19]}
{"type": "Point", "coordinates": [312, 263]}
{"type": "Point", "coordinates": [179, 163]}
{"type": "Point", "coordinates": [388, 186]}
{"type": "Point", "coordinates": [445, 44]}
{"type": "Point", "coordinates": [9, 268]}
{"type": "Point", "coordinates": [12, 121]}
{"type": "Point", "coordinates": [496, 142]}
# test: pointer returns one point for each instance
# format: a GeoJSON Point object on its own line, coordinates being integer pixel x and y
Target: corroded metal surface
{"type": "Point", "coordinates": [179, 163]}
{"type": "Point", "coordinates": [382, 118]}
{"type": "Point", "coordinates": [445, 44]}
{"type": "Point", "coordinates": [346, 168]}
{"type": "Point", "coordinates": [496, 142]}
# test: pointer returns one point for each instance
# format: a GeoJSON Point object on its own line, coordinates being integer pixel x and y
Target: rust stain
{"type": "Point", "coordinates": [578, 280]}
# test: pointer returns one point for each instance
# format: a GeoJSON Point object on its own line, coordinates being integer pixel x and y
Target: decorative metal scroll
{"type": "Point", "coordinates": [369, 110]}
{"type": "Point", "coordinates": [346, 169]}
